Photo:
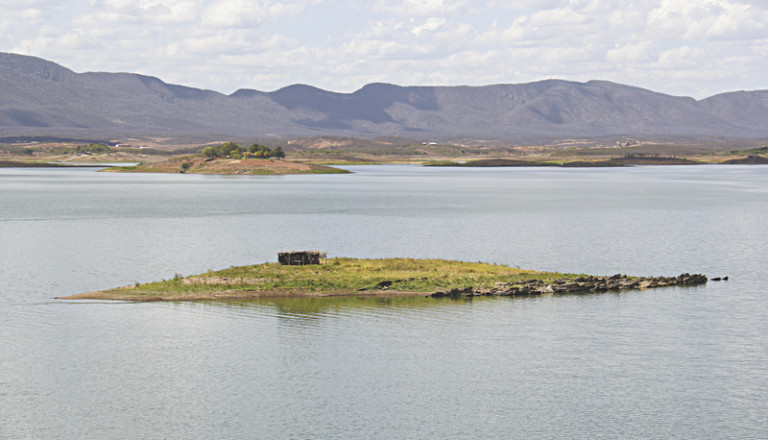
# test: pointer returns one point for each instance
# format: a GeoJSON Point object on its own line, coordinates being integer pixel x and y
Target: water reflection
{"type": "Point", "coordinates": [318, 307]}
{"type": "Point", "coordinates": [329, 306]}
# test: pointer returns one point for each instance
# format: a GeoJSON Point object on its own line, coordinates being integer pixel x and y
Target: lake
{"type": "Point", "coordinates": [661, 363]}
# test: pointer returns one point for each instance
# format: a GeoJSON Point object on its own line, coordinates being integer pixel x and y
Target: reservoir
{"type": "Point", "coordinates": [661, 363]}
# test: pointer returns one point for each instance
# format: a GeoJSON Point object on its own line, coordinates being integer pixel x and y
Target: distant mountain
{"type": "Point", "coordinates": [41, 98]}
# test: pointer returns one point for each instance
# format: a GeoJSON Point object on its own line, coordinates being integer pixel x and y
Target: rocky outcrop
{"type": "Point", "coordinates": [587, 284]}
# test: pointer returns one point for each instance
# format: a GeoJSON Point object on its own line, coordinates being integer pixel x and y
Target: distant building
{"type": "Point", "coordinates": [300, 258]}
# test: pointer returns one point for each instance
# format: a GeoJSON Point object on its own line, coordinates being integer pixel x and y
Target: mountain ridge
{"type": "Point", "coordinates": [43, 98]}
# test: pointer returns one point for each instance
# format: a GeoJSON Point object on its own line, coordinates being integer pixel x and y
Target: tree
{"type": "Point", "coordinates": [233, 150]}
{"type": "Point", "coordinates": [227, 149]}
{"type": "Point", "coordinates": [265, 152]}
{"type": "Point", "coordinates": [223, 150]}
{"type": "Point", "coordinates": [260, 151]}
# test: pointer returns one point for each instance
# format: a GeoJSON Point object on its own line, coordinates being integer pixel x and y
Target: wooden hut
{"type": "Point", "coordinates": [300, 258]}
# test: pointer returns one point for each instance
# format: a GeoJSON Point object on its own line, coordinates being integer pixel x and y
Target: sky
{"type": "Point", "coordinates": [694, 48]}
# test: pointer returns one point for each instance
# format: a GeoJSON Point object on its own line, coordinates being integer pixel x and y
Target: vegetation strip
{"type": "Point", "coordinates": [360, 277]}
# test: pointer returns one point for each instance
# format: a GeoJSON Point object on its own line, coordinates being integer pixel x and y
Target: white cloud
{"type": "Point", "coordinates": [239, 13]}
{"type": "Point", "coordinates": [31, 14]}
{"type": "Point", "coordinates": [419, 8]}
{"type": "Point", "coordinates": [15, 4]}
{"type": "Point", "coordinates": [234, 13]}
{"type": "Point", "coordinates": [682, 57]}
{"type": "Point", "coordinates": [431, 24]}
{"type": "Point", "coordinates": [707, 19]}
{"type": "Point", "coordinates": [634, 52]}
{"type": "Point", "coordinates": [557, 17]}
{"type": "Point", "coordinates": [146, 11]}
{"type": "Point", "coordinates": [521, 4]}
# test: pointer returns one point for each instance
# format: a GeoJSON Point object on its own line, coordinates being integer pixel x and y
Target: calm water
{"type": "Point", "coordinates": [685, 363]}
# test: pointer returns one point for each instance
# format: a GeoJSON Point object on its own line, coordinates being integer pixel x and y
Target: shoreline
{"type": "Point", "coordinates": [231, 295]}
{"type": "Point", "coordinates": [22, 164]}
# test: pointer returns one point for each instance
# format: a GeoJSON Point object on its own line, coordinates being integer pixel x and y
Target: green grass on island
{"type": "Point", "coordinates": [337, 276]}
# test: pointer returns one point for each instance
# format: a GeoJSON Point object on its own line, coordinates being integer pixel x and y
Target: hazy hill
{"type": "Point", "coordinates": [40, 98]}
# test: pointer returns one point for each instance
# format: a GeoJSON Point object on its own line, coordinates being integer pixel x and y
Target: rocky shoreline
{"type": "Point", "coordinates": [586, 284]}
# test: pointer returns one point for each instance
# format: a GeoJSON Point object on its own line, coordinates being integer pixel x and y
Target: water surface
{"type": "Point", "coordinates": [680, 362]}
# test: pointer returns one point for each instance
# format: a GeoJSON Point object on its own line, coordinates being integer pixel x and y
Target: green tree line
{"type": "Point", "coordinates": [236, 151]}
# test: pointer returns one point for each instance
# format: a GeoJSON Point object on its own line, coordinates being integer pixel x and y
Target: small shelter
{"type": "Point", "coordinates": [300, 258]}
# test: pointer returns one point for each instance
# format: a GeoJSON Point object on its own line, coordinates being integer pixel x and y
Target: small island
{"type": "Point", "coordinates": [230, 158]}
{"type": "Point", "coordinates": [227, 166]}
{"type": "Point", "coordinates": [378, 277]}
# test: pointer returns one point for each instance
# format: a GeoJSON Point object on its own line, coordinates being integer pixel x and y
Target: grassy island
{"type": "Point", "coordinates": [359, 277]}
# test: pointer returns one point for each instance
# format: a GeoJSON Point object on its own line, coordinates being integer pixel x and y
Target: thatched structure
{"type": "Point", "coordinates": [300, 258]}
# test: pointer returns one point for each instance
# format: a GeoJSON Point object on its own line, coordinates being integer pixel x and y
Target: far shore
{"type": "Point", "coordinates": [324, 155]}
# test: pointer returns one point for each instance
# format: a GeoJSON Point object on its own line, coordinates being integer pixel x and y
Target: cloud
{"type": "Point", "coordinates": [146, 11]}
{"type": "Point", "coordinates": [234, 13]}
{"type": "Point", "coordinates": [682, 57]}
{"type": "Point", "coordinates": [431, 24]}
{"type": "Point", "coordinates": [711, 19]}
{"type": "Point", "coordinates": [342, 45]}
{"type": "Point", "coordinates": [633, 52]}
{"type": "Point", "coordinates": [522, 4]}
{"type": "Point", "coordinates": [14, 4]}
{"type": "Point", "coordinates": [419, 8]}
{"type": "Point", "coordinates": [566, 16]}
{"type": "Point", "coordinates": [240, 13]}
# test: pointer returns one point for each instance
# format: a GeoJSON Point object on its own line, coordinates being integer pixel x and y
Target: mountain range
{"type": "Point", "coordinates": [42, 98]}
